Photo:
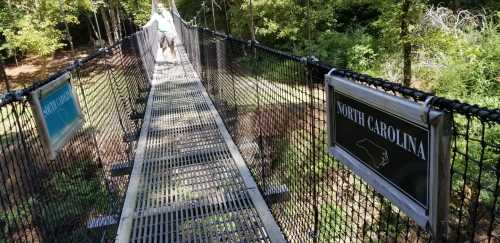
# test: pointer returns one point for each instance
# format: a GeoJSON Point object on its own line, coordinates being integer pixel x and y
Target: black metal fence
{"type": "Point", "coordinates": [274, 106]}
{"type": "Point", "coordinates": [74, 198]}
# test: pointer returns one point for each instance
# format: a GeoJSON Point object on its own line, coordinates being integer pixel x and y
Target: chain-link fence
{"type": "Point", "coordinates": [77, 197]}
{"type": "Point", "coordinates": [274, 105]}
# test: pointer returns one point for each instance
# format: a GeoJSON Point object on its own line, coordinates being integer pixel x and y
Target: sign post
{"type": "Point", "coordinates": [400, 148]}
{"type": "Point", "coordinates": [57, 112]}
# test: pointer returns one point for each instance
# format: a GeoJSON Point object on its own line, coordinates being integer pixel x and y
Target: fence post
{"type": "Point", "coordinates": [220, 56]}
{"type": "Point", "coordinates": [313, 156]}
{"type": "Point", "coordinates": [258, 112]}
{"type": "Point", "coordinates": [231, 50]}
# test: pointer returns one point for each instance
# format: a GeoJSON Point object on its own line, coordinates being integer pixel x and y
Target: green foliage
{"type": "Point", "coordinates": [140, 10]}
{"type": "Point", "coordinates": [37, 27]}
{"type": "Point", "coordinates": [190, 9]}
{"type": "Point", "coordinates": [352, 49]}
{"type": "Point", "coordinates": [460, 61]}
{"type": "Point", "coordinates": [74, 193]}
{"type": "Point", "coordinates": [40, 38]}
{"type": "Point", "coordinates": [272, 69]}
{"type": "Point", "coordinates": [299, 165]}
{"type": "Point", "coordinates": [390, 221]}
{"type": "Point", "coordinates": [332, 222]}
{"type": "Point", "coordinates": [283, 24]}
{"type": "Point", "coordinates": [69, 197]}
{"type": "Point", "coordinates": [18, 215]}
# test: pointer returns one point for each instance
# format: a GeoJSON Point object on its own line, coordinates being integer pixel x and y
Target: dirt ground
{"type": "Point", "coordinates": [30, 70]}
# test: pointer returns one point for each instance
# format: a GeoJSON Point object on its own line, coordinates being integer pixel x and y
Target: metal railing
{"type": "Point", "coordinates": [274, 106]}
{"type": "Point", "coordinates": [76, 197]}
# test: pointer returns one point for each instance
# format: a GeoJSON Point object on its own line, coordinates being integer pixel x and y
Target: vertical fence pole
{"type": "Point", "coordinates": [314, 158]}
{"type": "Point", "coordinates": [231, 50]}
{"type": "Point", "coordinates": [259, 115]}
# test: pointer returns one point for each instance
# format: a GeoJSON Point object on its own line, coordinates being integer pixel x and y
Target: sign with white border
{"type": "Point", "coordinates": [399, 147]}
{"type": "Point", "coordinates": [57, 113]}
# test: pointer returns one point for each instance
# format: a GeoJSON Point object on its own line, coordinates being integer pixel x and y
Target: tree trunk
{"type": "Point", "coordinates": [69, 38]}
{"type": "Point", "coordinates": [213, 16]}
{"type": "Point", "coordinates": [107, 27]}
{"type": "Point", "coordinates": [227, 18]}
{"type": "Point", "coordinates": [15, 58]}
{"type": "Point", "coordinates": [121, 27]}
{"type": "Point", "coordinates": [45, 63]}
{"type": "Point", "coordinates": [114, 22]}
{"type": "Point", "coordinates": [92, 27]}
{"type": "Point", "coordinates": [3, 76]}
{"type": "Point", "coordinates": [252, 26]}
{"type": "Point", "coordinates": [405, 40]}
{"type": "Point", "coordinates": [407, 64]}
{"type": "Point", "coordinates": [101, 42]}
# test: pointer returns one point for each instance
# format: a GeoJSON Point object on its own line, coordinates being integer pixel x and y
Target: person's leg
{"type": "Point", "coordinates": [171, 46]}
{"type": "Point", "coordinates": [164, 45]}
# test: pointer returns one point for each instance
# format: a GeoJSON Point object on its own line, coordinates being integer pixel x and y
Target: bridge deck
{"type": "Point", "coordinates": [189, 182]}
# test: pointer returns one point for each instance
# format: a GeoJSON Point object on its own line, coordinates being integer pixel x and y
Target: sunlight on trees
{"type": "Point", "coordinates": [38, 27]}
{"type": "Point", "coordinates": [448, 48]}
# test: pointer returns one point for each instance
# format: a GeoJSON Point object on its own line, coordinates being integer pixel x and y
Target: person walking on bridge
{"type": "Point", "coordinates": [167, 35]}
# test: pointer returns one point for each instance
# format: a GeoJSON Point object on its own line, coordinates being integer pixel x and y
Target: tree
{"type": "Point", "coordinates": [406, 42]}
{"type": "Point", "coordinates": [139, 10]}
{"type": "Point", "coordinates": [3, 75]}
{"type": "Point", "coordinates": [34, 36]}
{"type": "Point", "coordinates": [397, 25]}
{"type": "Point", "coordinates": [32, 27]}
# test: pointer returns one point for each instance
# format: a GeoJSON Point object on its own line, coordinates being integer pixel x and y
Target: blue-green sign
{"type": "Point", "coordinates": [58, 113]}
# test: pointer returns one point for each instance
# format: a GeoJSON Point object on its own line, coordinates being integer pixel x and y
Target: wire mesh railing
{"type": "Point", "coordinates": [274, 106]}
{"type": "Point", "coordinates": [75, 198]}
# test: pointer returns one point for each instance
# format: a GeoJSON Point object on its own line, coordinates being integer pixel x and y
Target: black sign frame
{"type": "Point", "coordinates": [431, 214]}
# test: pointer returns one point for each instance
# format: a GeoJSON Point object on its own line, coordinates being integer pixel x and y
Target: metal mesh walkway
{"type": "Point", "coordinates": [189, 183]}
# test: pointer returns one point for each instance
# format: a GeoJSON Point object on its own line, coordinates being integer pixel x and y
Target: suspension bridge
{"type": "Point", "coordinates": [229, 143]}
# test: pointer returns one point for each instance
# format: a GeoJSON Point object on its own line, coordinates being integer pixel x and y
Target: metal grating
{"type": "Point", "coordinates": [190, 189]}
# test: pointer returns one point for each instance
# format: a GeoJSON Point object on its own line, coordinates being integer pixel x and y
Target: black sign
{"type": "Point", "coordinates": [395, 148]}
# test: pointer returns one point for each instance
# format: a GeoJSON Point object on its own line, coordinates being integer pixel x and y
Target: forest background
{"type": "Point", "coordinates": [450, 47]}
